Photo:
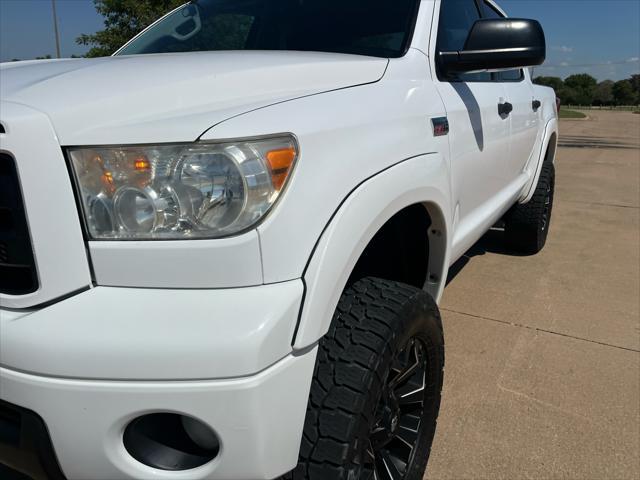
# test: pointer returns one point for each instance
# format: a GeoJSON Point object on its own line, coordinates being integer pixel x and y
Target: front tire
{"type": "Point", "coordinates": [376, 388]}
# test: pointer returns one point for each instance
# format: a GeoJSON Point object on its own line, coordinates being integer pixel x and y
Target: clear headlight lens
{"type": "Point", "coordinates": [180, 191]}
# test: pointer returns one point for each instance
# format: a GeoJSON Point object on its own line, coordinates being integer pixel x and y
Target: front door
{"type": "Point", "coordinates": [479, 133]}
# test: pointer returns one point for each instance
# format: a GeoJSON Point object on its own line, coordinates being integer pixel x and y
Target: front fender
{"type": "Point", "coordinates": [345, 137]}
{"type": "Point", "coordinates": [419, 180]}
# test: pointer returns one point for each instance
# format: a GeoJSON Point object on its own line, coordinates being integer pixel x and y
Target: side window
{"type": "Point", "coordinates": [224, 31]}
{"type": "Point", "coordinates": [456, 19]}
{"type": "Point", "coordinates": [231, 31]}
{"type": "Point", "coordinates": [509, 75]}
{"type": "Point", "coordinates": [490, 12]}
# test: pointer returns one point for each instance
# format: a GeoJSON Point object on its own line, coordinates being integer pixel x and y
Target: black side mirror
{"type": "Point", "coordinates": [498, 44]}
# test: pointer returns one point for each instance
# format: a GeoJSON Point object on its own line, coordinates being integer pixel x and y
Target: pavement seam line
{"type": "Point", "coordinates": [598, 204]}
{"type": "Point", "coordinates": [545, 404]}
{"type": "Point", "coordinates": [551, 332]}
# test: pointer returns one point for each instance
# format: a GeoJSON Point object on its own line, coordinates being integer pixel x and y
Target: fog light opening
{"type": "Point", "coordinates": [168, 441]}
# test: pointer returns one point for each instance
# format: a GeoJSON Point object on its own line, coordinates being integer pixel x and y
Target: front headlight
{"type": "Point", "coordinates": [200, 190]}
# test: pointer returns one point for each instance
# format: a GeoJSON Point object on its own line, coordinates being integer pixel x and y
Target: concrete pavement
{"type": "Point", "coordinates": [543, 353]}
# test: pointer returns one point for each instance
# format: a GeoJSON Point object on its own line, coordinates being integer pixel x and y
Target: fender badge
{"type": "Point", "coordinates": [440, 126]}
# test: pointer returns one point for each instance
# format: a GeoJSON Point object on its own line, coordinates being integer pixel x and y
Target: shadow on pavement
{"type": "Point", "coordinates": [579, 141]}
{"type": "Point", "coordinates": [492, 242]}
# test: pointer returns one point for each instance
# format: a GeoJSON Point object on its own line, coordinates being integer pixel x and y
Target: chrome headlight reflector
{"type": "Point", "coordinates": [200, 190]}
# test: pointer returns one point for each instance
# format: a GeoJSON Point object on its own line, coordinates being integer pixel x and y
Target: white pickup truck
{"type": "Point", "coordinates": [222, 248]}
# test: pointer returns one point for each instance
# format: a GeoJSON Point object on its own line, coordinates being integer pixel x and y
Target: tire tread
{"type": "Point", "coordinates": [348, 367]}
{"type": "Point", "coordinates": [523, 229]}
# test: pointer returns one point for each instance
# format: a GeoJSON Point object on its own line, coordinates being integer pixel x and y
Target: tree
{"type": "Point", "coordinates": [583, 87]}
{"type": "Point", "coordinates": [604, 93]}
{"type": "Point", "coordinates": [567, 94]}
{"type": "Point", "coordinates": [623, 93]}
{"type": "Point", "coordinates": [635, 83]}
{"type": "Point", "coordinates": [123, 19]}
{"type": "Point", "coordinates": [564, 93]}
{"type": "Point", "coordinates": [554, 82]}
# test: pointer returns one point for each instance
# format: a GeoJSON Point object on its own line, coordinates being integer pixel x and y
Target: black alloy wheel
{"type": "Point", "coordinates": [398, 420]}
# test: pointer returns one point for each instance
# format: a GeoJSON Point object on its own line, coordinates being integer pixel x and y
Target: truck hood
{"type": "Point", "coordinates": [171, 97]}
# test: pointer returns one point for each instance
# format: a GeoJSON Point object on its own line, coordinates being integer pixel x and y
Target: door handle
{"type": "Point", "coordinates": [505, 109]}
{"type": "Point", "coordinates": [536, 104]}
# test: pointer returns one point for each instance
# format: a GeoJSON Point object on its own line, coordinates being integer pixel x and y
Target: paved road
{"type": "Point", "coordinates": [543, 353]}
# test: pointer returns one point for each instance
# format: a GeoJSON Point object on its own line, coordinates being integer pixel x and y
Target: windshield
{"type": "Point", "coordinates": [380, 28]}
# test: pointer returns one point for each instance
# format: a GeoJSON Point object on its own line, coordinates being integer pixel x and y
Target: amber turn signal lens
{"type": "Point", "coordinates": [141, 164]}
{"type": "Point", "coordinates": [280, 162]}
{"type": "Point", "coordinates": [107, 178]}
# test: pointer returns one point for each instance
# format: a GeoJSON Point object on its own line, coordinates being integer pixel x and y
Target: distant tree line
{"type": "Point", "coordinates": [123, 20]}
{"type": "Point", "coordinates": [45, 57]}
{"type": "Point", "coordinates": [583, 89]}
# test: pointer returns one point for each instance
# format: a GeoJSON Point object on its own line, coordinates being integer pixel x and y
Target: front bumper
{"type": "Point", "coordinates": [258, 420]}
{"type": "Point", "coordinates": [92, 363]}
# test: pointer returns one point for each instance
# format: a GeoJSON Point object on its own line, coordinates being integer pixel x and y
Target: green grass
{"type": "Point", "coordinates": [617, 108]}
{"type": "Point", "coordinates": [564, 113]}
